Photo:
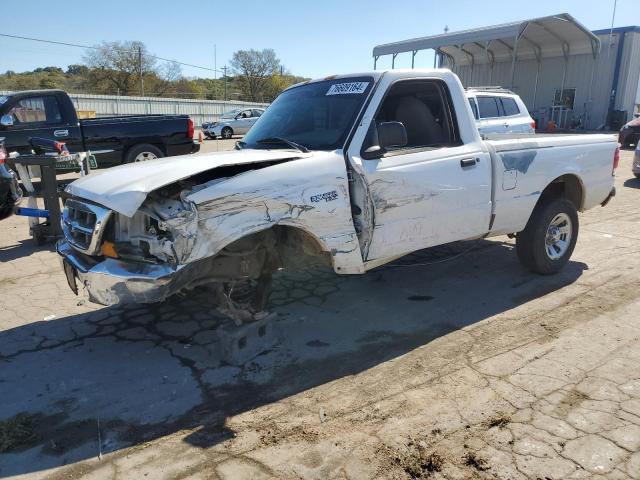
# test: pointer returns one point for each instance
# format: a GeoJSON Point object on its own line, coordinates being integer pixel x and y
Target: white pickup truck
{"type": "Point", "coordinates": [352, 170]}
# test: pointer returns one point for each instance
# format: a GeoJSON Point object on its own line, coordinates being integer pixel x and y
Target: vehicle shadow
{"type": "Point", "coordinates": [141, 372]}
{"type": "Point", "coordinates": [24, 248]}
{"type": "Point", "coordinates": [632, 183]}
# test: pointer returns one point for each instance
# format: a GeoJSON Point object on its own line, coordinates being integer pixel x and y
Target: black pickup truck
{"type": "Point", "coordinates": [114, 140]}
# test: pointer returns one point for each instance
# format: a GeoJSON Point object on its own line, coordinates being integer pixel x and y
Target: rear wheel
{"type": "Point", "coordinates": [548, 240]}
{"type": "Point", "coordinates": [227, 133]}
{"type": "Point", "coordinates": [142, 153]}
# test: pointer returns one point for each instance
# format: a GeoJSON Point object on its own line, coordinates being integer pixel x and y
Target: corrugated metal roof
{"type": "Point", "coordinates": [630, 28]}
{"type": "Point", "coordinates": [550, 36]}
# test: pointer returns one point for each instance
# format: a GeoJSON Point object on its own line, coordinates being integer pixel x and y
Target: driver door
{"type": "Point", "coordinates": [433, 190]}
{"type": "Point", "coordinates": [243, 122]}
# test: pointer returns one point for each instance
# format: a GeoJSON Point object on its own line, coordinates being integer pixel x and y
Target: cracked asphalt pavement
{"type": "Point", "coordinates": [467, 368]}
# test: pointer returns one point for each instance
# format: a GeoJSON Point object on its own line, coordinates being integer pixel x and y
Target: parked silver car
{"type": "Point", "coordinates": [235, 122]}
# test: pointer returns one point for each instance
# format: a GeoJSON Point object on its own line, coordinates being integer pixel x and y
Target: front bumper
{"type": "Point", "coordinates": [110, 281]}
{"type": "Point", "coordinates": [216, 130]}
{"type": "Point", "coordinates": [612, 194]}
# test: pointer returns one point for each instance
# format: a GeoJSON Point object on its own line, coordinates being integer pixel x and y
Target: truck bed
{"type": "Point", "coordinates": [523, 162]}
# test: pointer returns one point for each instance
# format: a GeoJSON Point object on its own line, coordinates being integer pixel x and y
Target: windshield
{"type": "Point", "coordinates": [3, 99]}
{"type": "Point", "coordinates": [230, 114]}
{"type": "Point", "coordinates": [316, 115]}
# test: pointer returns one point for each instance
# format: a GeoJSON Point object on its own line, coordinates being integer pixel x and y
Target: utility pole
{"type": "Point", "coordinates": [613, 19]}
{"type": "Point", "coordinates": [215, 62]}
{"type": "Point", "coordinates": [225, 82]}
{"type": "Point", "coordinates": [140, 69]}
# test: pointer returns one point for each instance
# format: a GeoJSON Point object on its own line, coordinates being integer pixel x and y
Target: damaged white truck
{"type": "Point", "coordinates": [353, 171]}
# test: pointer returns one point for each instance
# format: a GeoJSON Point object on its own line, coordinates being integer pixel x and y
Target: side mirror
{"type": "Point", "coordinates": [6, 120]}
{"type": "Point", "coordinates": [392, 134]}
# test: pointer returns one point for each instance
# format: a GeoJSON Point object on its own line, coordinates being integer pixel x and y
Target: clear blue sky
{"type": "Point", "coordinates": [312, 38]}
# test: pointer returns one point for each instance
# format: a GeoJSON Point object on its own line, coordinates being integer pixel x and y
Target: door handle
{"type": "Point", "coordinates": [61, 133]}
{"type": "Point", "coordinates": [468, 162]}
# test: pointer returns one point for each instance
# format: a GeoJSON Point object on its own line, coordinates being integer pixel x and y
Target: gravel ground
{"type": "Point", "coordinates": [471, 368]}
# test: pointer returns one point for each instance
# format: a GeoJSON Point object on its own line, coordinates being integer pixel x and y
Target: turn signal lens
{"type": "Point", "coordinates": [109, 250]}
{"type": "Point", "coordinates": [616, 158]}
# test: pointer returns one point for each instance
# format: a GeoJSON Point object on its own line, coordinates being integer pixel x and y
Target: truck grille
{"type": "Point", "coordinates": [83, 225]}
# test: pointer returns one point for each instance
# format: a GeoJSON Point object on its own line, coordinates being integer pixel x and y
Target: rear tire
{"type": "Point", "coordinates": [227, 133]}
{"type": "Point", "coordinates": [548, 240]}
{"type": "Point", "coordinates": [143, 152]}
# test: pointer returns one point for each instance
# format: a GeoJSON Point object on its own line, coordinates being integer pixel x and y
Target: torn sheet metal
{"type": "Point", "coordinates": [125, 187]}
{"type": "Point", "coordinates": [314, 198]}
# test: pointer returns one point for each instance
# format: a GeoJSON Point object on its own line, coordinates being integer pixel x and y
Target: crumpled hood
{"type": "Point", "coordinates": [125, 187]}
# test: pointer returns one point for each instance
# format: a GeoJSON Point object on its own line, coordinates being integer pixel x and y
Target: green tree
{"type": "Point", "coordinates": [253, 69]}
{"type": "Point", "coordinates": [117, 66]}
{"type": "Point", "coordinates": [49, 82]}
{"type": "Point", "coordinates": [81, 70]}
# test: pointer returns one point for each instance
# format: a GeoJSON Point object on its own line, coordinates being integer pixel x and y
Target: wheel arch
{"type": "Point", "coordinates": [569, 186]}
{"type": "Point", "coordinates": [153, 142]}
{"type": "Point", "coordinates": [293, 244]}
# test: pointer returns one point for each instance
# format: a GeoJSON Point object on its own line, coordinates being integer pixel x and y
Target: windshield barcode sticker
{"type": "Point", "coordinates": [347, 88]}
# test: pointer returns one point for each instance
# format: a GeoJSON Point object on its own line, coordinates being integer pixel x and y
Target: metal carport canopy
{"type": "Point", "coordinates": [552, 36]}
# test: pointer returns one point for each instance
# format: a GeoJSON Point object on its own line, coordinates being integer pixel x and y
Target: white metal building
{"type": "Point", "coordinates": [563, 71]}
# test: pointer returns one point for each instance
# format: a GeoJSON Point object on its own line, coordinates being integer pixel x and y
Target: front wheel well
{"type": "Point", "coordinates": [567, 186]}
{"type": "Point", "coordinates": [269, 250]}
{"type": "Point", "coordinates": [159, 145]}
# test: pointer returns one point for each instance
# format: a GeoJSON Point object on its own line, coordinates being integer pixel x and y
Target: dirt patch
{"type": "Point", "coordinates": [472, 459]}
{"type": "Point", "coordinates": [16, 432]}
{"type": "Point", "coordinates": [273, 434]}
{"type": "Point", "coordinates": [572, 399]}
{"type": "Point", "coordinates": [417, 460]}
{"type": "Point", "coordinates": [500, 420]}
{"type": "Point", "coordinates": [422, 465]}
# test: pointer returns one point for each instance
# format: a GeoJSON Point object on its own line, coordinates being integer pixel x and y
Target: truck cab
{"type": "Point", "coordinates": [39, 113]}
{"type": "Point", "coordinates": [113, 140]}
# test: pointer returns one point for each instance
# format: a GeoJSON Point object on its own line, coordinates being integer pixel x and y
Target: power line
{"type": "Point", "coordinates": [66, 44]}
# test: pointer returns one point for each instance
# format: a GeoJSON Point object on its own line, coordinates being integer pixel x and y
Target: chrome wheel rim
{"type": "Point", "coordinates": [558, 236]}
{"type": "Point", "coordinates": [144, 156]}
{"type": "Point", "coordinates": [226, 134]}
